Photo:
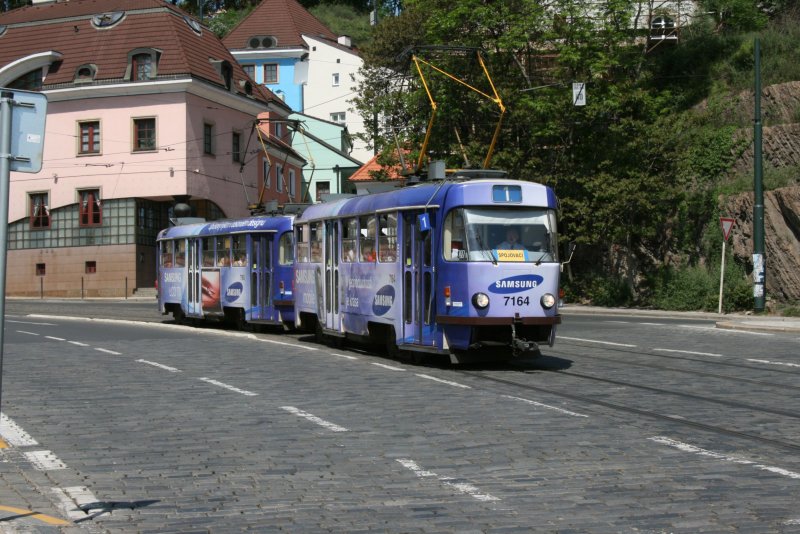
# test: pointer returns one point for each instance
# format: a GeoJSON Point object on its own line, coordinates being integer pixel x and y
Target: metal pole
{"type": "Point", "coordinates": [721, 277]}
{"type": "Point", "coordinates": [126, 288]}
{"type": "Point", "coordinates": [6, 100]}
{"type": "Point", "coordinates": [759, 260]}
{"type": "Point", "coordinates": [81, 288]}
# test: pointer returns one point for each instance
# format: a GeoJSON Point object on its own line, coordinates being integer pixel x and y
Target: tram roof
{"type": "Point", "coordinates": [263, 223]}
{"type": "Point", "coordinates": [432, 195]}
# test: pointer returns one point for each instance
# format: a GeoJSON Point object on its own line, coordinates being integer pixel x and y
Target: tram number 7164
{"type": "Point", "coordinates": [517, 301]}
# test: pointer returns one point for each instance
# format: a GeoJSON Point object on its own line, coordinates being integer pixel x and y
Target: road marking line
{"type": "Point", "coordinates": [449, 383]}
{"type": "Point", "coordinates": [345, 356]}
{"type": "Point", "coordinates": [719, 456]}
{"type": "Point", "coordinates": [390, 367]}
{"type": "Point", "coordinates": [55, 338]}
{"type": "Point", "coordinates": [773, 363]}
{"type": "Point", "coordinates": [567, 412]}
{"type": "Point", "coordinates": [792, 522]}
{"type": "Point", "coordinates": [284, 343]}
{"type": "Point", "coordinates": [29, 333]}
{"type": "Point", "coordinates": [228, 387]}
{"type": "Point", "coordinates": [160, 366]}
{"type": "Point", "coordinates": [314, 419]}
{"type": "Point", "coordinates": [115, 353]}
{"type": "Point", "coordinates": [29, 322]}
{"type": "Point", "coordinates": [653, 324]}
{"type": "Point", "coordinates": [596, 341]}
{"type": "Point", "coordinates": [14, 434]}
{"type": "Point", "coordinates": [690, 352]}
{"type": "Point", "coordinates": [73, 501]}
{"type": "Point", "coordinates": [725, 330]}
{"type": "Point", "coordinates": [463, 487]}
{"type": "Point", "coordinates": [618, 322]}
{"type": "Point", "coordinates": [44, 460]}
{"type": "Point", "coordinates": [23, 512]}
{"type": "Point", "coordinates": [78, 343]}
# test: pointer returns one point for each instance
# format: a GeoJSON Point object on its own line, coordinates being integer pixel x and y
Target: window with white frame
{"type": "Point", "coordinates": [339, 117]}
{"type": "Point", "coordinates": [292, 187]}
{"type": "Point", "coordinates": [279, 178]}
{"type": "Point", "coordinates": [335, 79]}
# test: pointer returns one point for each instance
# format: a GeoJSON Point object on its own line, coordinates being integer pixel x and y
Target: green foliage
{"type": "Point", "coordinates": [343, 19]}
{"type": "Point", "coordinates": [696, 288]}
{"type": "Point", "coordinates": [791, 311]}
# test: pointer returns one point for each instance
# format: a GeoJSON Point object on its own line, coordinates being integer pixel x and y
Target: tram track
{"type": "Point", "coordinates": [677, 420]}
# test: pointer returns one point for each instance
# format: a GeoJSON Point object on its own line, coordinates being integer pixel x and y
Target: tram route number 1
{"type": "Point", "coordinates": [517, 301]}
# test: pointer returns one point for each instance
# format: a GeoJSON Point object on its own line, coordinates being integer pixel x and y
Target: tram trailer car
{"type": "Point", "coordinates": [464, 266]}
{"type": "Point", "coordinates": [239, 271]}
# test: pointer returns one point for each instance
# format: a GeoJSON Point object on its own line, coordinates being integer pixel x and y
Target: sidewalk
{"type": "Point", "coordinates": [734, 321]}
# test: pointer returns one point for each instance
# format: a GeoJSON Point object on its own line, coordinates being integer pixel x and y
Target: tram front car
{"type": "Point", "coordinates": [498, 276]}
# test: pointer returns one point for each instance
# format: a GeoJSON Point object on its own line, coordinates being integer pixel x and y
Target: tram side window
{"type": "Point", "coordinates": [454, 237]}
{"type": "Point", "coordinates": [285, 251]}
{"type": "Point", "coordinates": [367, 238]}
{"type": "Point", "coordinates": [180, 253]}
{"type": "Point", "coordinates": [349, 239]}
{"type": "Point", "coordinates": [387, 238]}
{"type": "Point", "coordinates": [239, 251]}
{"type": "Point", "coordinates": [208, 251]}
{"type": "Point", "coordinates": [166, 254]}
{"type": "Point", "coordinates": [316, 242]}
{"type": "Point", "coordinates": [223, 251]}
{"type": "Point", "coordinates": [302, 243]}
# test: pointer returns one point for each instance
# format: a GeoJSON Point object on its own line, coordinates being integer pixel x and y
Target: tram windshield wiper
{"type": "Point", "coordinates": [484, 250]}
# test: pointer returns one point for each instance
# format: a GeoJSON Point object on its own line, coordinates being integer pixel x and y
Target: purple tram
{"type": "Point", "coordinates": [466, 265]}
{"type": "Point", "coordinates": [238, 270]}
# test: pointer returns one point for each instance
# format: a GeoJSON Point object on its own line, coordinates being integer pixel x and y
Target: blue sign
{"type": "Point", "coordinates": [233, 292]}
{"type": "Point", "coordinates": [516, 284]}
{"type": "Point", "coordinates": [384, 300]}
{"type": "Point", "coordinates": [28, 113]}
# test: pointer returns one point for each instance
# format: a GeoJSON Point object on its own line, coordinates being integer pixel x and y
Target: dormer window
{"type": "Point", "coordinates": [225, 70]}
{"type": "Point", "coordinates": [3, 29]}
{"type": "Point", "coordinates": [32, 81]}
{"type": "Point", "coordinates": [262, 41]}
{"type": "Point", "coordinates": [85, 73]}
{"type": "Point", "coordinates": [193, 24]}
{"type": "Point", "coordinates": [142, 64]}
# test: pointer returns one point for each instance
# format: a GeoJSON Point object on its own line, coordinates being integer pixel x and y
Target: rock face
{"type": "Point", "coordinates": [781, 238]}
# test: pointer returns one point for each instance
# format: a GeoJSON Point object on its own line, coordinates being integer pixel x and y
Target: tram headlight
{"type": "Point", "coordinates": [480, 300]}
{"type": "Point", "coordinates": [548, 301]}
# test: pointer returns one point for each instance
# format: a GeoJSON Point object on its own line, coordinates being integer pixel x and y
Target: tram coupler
{"type": "Point", "coordinates": [521, 346]}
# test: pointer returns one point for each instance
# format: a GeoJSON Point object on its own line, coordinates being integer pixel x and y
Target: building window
{"type": "Point", "coordinates": [250, 70]}
{"type": "Point", "coordinates": [271, 73]}
{"type": "Point", "coordinates": [208, 139]}
{"type": "Point", "coordinates": [144, 134]}
{"type": "Point", "coordinates": [267, 177]}
{"type": "Point", "coordinates": [279, 178]}
{"type": "Point", "coordinates": [90, 209]}
{"type": "Point", "coordinates": [40, 269]}
{"type": "Point", "coordinates": [292, 187]}
{"type": "Point", "coordinates": [90, 137]}
{"type": "Point", "coordinates": [323, 188]}
{"type": "Point", "coordinates": [91, 267]}
{"type": "Point", "coordinates": [40, 211]}
{"type": "Point", "coordinates": [32, 81]}
{"type": "Point", "coordinates": [335, 79]}
{"type": "Point", "coordinates": [236, 147]}
{"type": "Point", "coordinates": [142, 67]}
{"type": "Point", "coordinates": [339, 117]}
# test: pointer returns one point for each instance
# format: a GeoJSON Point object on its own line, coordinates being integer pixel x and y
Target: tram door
{"type": "Point", "coordinates": [331, 262]}
{"type": "Point", "coordinates": [261, 276]}
{"type": "Point", "coordinates": [194, 289]}
{"type": "Point", "coordinates": [417, 280]}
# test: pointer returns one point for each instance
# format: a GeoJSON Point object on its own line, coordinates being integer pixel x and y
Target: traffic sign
{"type": "Point", "coordinates": [28, 115]}
{"type": "Point", "coordinates": [727, 225]}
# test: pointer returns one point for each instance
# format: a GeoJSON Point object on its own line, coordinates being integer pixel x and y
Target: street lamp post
{"type": "Point", "coordinates": [759, 260]}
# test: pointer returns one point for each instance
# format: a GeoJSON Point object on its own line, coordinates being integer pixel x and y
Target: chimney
{"type": "Point", "coordinates": [345, 40]}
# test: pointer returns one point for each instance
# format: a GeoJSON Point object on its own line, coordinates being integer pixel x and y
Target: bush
{"type": "Point", "coordinates": [697, 289]}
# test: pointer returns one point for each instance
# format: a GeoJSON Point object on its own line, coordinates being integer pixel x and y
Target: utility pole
{"type": "Point", "coordinates": [759, 259]}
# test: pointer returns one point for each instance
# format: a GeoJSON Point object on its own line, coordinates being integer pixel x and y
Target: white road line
{"type": "Point", "coordinates": [725, 330]}
{"type": "Point", "coordinates": [314, 419]}
{"type": "Point", "coordinates": [55, 338]}
{"type": "Point", "coordinates": [44, 460]}
{"type": "Point", "coordinates": [463, 487]}
{"type": "Point", "coordinates": [596, 341]}
{"type": "Point", "coordinates": [115, 353]}
{"type": "Point", "coordinates": [541, 405]}
{"type": "Point", "coordinates": [719, 456]}
{"type": "Point", "coordinates": [30, 322]}
{"type": "Point", "coordinates": [228, 387]}
{"type": "Point", "coordinates": [345, 356]}
{"type": "Point", "coordinates": [653, 324]}
{"type": "Point", "coordinates": [284, 343]}
{"type": "Point", "coordinates": [29, 333]}
{"type": "Point", "coordinates": [449, 383]}
{"type": "Point", "coordinates": [792, 522]}
{"type": "Point", "coordinates": [773, 363]}
{"type": "Point", "coordinates": [390, 367]}
{"type": "Point", "coordinates": [78, 343]}
{"type": "Point", "coordinates": [618, 322]}
{"type": "Point", "coordinates": [74, 501]}
{"type": "Point", "coordinates": [14, 434]}
{"type": "Point", "coordinates": [690, 352]}
{"type": "Point", "coordinates": [160, 366]}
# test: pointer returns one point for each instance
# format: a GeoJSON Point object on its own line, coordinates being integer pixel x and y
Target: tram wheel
{"type": "Point", "coordinates": [318, 334]}
{"type": "Point", "coordinates": [178, 316]}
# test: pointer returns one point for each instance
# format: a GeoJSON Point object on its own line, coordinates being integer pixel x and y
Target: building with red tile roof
{"type": "Point", "coordinates": [145, 107]}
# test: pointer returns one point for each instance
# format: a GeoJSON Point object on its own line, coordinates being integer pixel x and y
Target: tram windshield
{"type": "Point", "coordinates": [500, 235]}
